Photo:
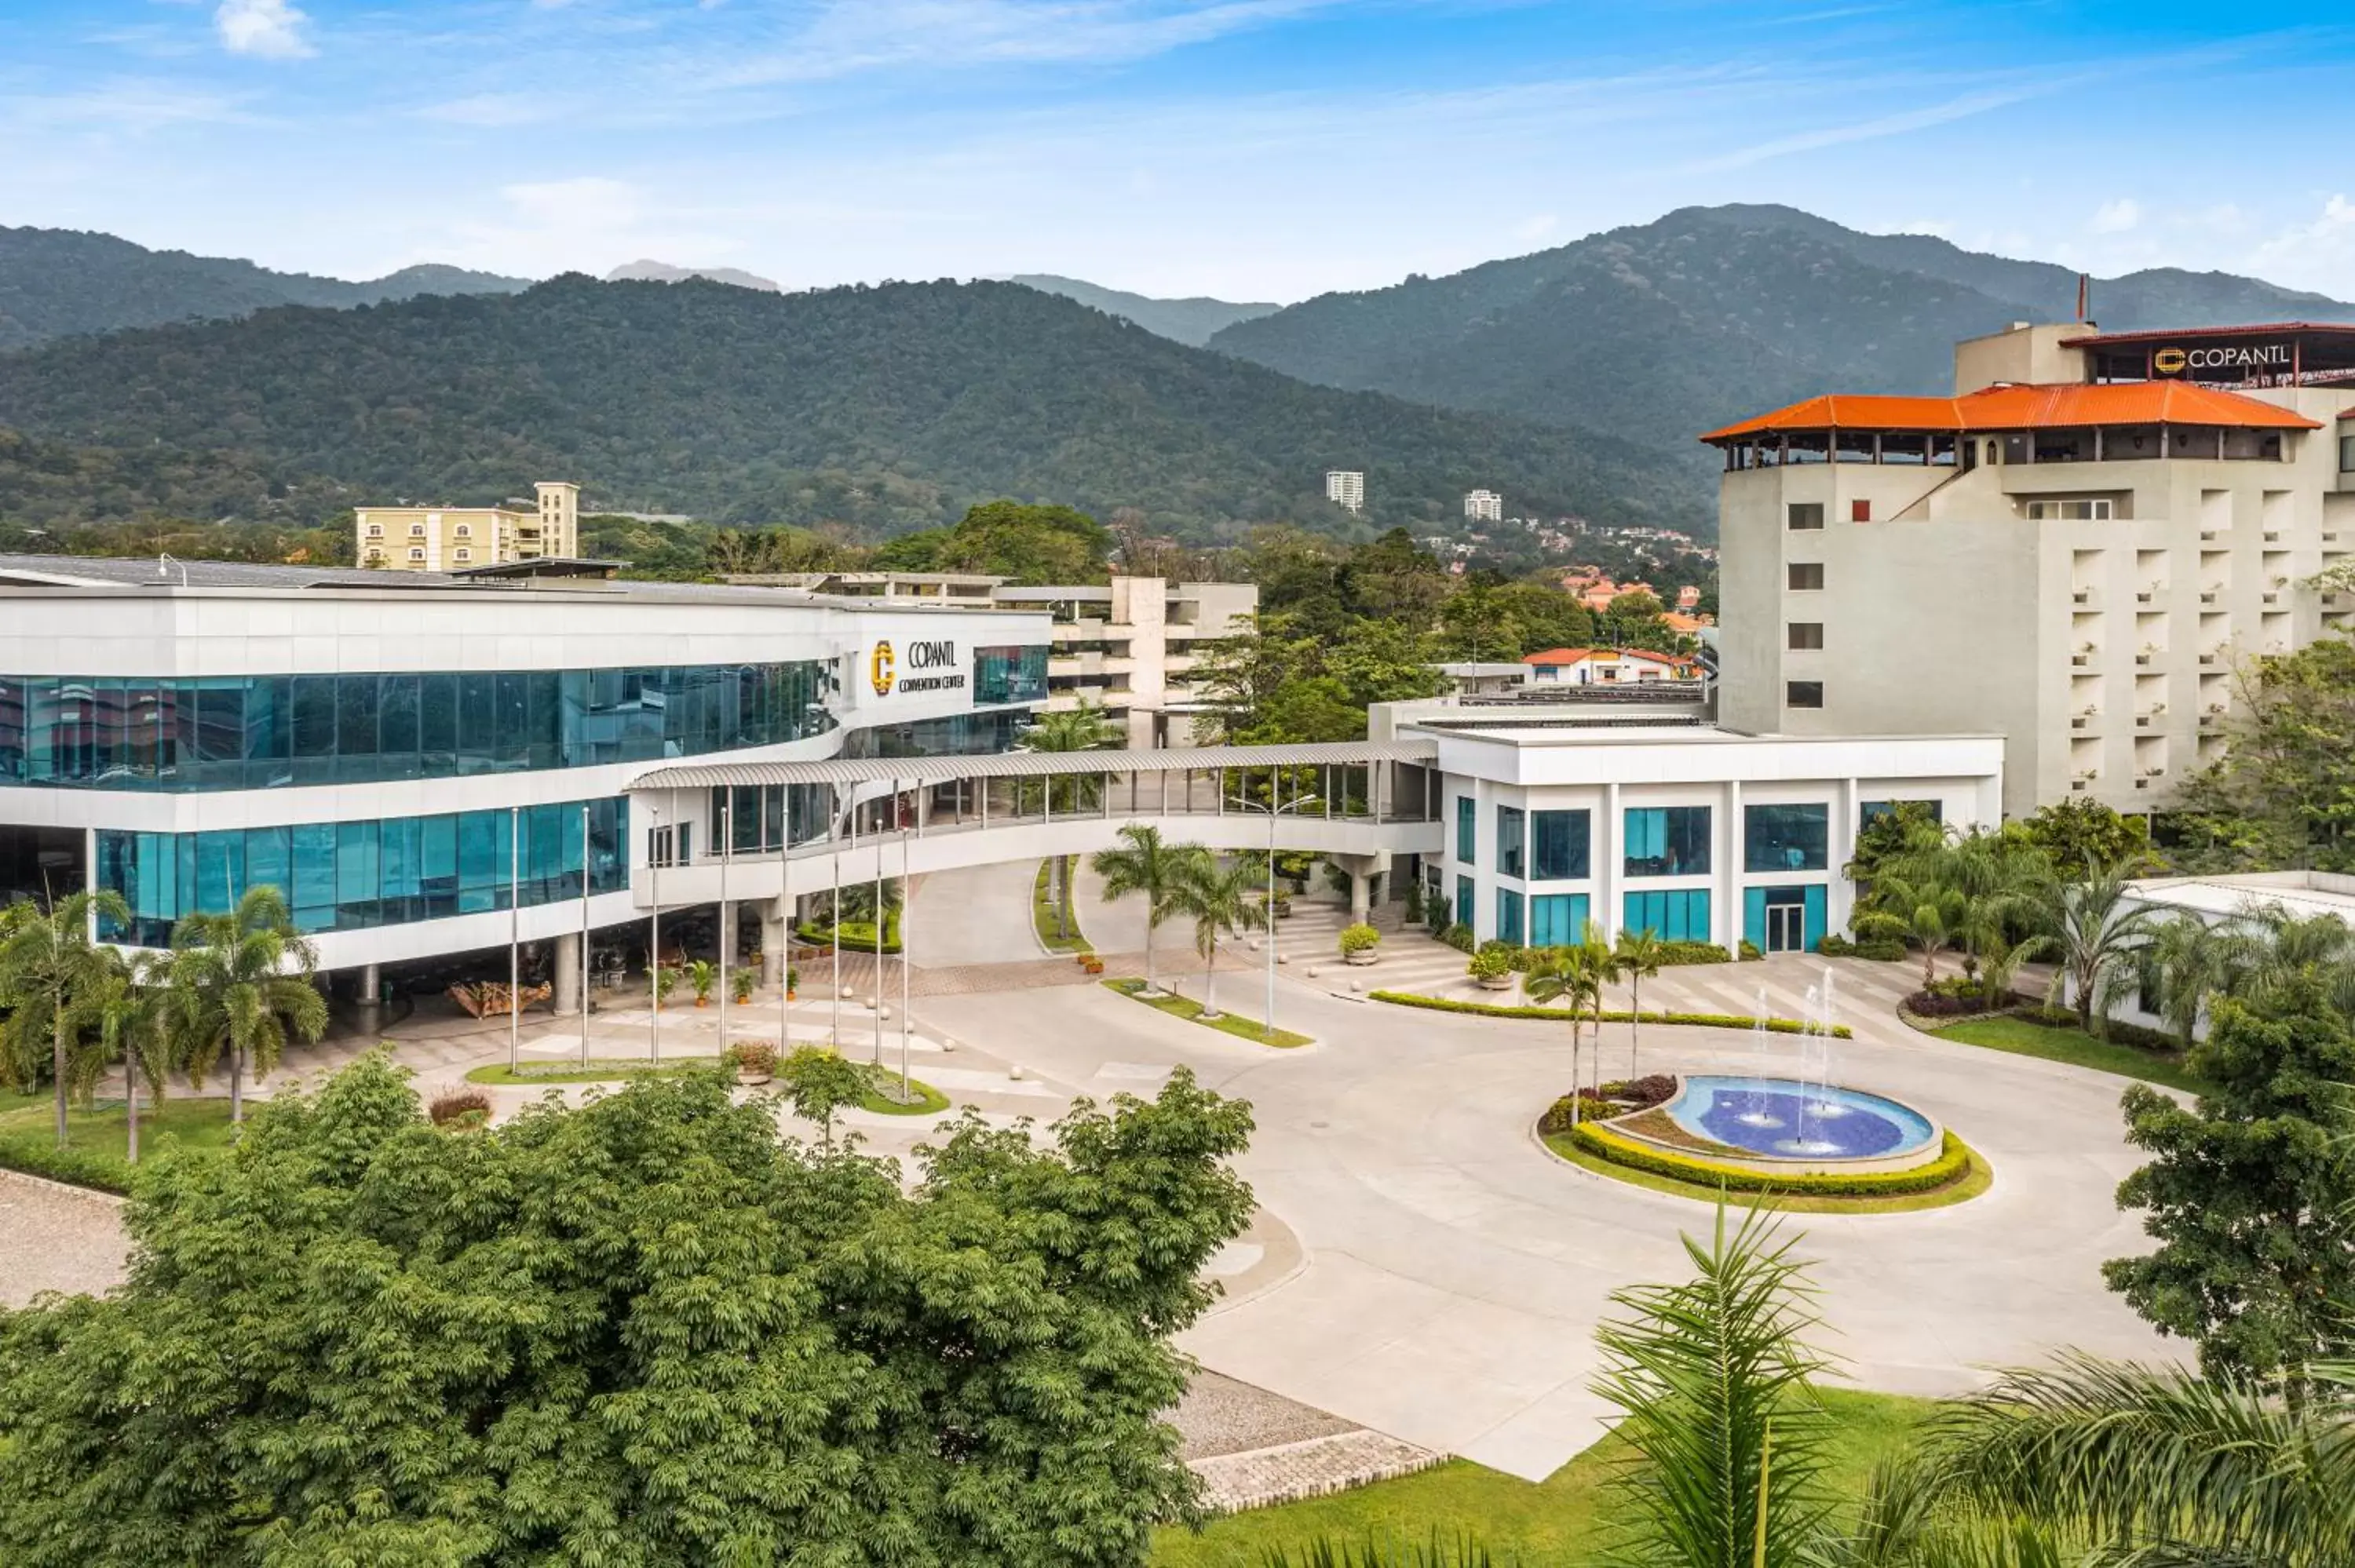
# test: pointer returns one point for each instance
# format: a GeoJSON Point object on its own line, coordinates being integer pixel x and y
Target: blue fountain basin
{"type": "Point", "coordinates": [1781, 1124]}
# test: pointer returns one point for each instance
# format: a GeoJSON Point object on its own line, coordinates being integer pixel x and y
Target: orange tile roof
{"type": "Point", "coordinates": [1559, 656]}
{"type": "Point", "coordinates": [1564, 656]}
{"type": "Point", "coordinates": [2024, 407]}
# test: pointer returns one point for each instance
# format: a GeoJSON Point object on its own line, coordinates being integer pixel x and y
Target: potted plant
{"type": "Point", "coordinates": [664, 981]}
{"type": "Point", "coordinates": [756, 1062]}
{"type": "Point", "coordinates": [739, 985]}
{"type": "Point", "coordinates": [1283, 904]}
{"type": "Point", "coordinates": [1491, 968]}
{"type": "Point", "coordinates": [793, 982]}
{"type": "Point", "coordinates": [1359, 942]}
{"type": "Point", "coordinates": [702, 976]}
{"type": "Point", "coordinates": [1091, 964]}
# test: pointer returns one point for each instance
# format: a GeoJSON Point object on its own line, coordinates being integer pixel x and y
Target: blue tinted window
{"type": "Point", "coordinates": [1465, 894]}
{"type": "Point", "coordinates": [1468, 816]}
{"type": "Point", "coordinates": [1508, 916]}
{"type": "Point", "coordinates": [1786, 838]}
{"type": "Point", "coordinates": [1558, 845]}
{"type": "Point", "coordinates": [1508, 840]}
{"type": "Point", "coordinates": [1010, 675]}
{"type": "Point", "coordinates": [264, 732]}
{"type": "Point", "coordinates": [1557, 919]}
{"type": "Point", "coordinates": [1675, 917]}
{"type": "Point", "coordinates": [345, 876]}
{"type": "Point", "coordinates": [1667, 841]}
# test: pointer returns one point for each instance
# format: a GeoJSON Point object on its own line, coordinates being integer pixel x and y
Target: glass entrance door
{"type": "Point", "coordinates": [1787, 920]}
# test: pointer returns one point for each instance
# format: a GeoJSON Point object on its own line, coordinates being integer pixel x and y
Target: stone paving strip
{"type": "Point", "coordinates": [55, 1237]}
{"type": "Point", "coordinates": [1314, 1467]}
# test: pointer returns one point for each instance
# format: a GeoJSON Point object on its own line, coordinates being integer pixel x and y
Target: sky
{"type": "Point", "coordinates": [1245, 149]}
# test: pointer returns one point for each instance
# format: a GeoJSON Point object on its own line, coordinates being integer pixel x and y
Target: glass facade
{"type": "Point", "coordinates": [756, 823]}
{"type": "Point", "coordinates": [1466, 889]}
{"type": "Point", "coordinates": [1467, 818]}
{"type": "Point", "coordinates": [266, 732]}
{"type": "Point", "coordinates": [1786, 838]}
{"type": "Point", "coordinates": [1508, 916]}
{"type": "Point", "coordinates": [959, 734]}
{"type": "Point", "coordinates": [1871, 812]}
{"type": "Point", "coordinates": [1559, 844]}
{"type": "Point", "coordinates": [1667, 841]}
{"type": "Point", "coordinates": [1010, 675]}
{"type": "Point", "coordinates": [349, 876]}
{"type": "Point", "coordinates": [1509, 841]}
{"type": "Point", "coordinates": [1678, 916]}
{"type": "Point", "coordinates": [1557, 919]}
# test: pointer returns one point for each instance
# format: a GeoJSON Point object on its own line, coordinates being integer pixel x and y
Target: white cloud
{"type": "Point", "coordinates": [270, 29]}
{"type": "Point", "coordinates": [2315, 255]}
{"type": "Point", "coordinates": [2117, 216]}
{"type": "Point", "coordinates": [1922, 118]}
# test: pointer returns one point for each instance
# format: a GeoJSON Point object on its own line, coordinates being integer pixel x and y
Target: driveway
{"type": "Point", "coordinates": [1455, 1270]}
{"type": "Point", "coordinates": [980, 915]}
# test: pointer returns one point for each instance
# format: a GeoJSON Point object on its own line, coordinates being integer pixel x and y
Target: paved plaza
{"type": "Point", "coordinates": [1423, 1275]}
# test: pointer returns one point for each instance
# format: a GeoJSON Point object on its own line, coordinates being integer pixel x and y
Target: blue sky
{"type": "Point", "coordinates": [1253, 149]}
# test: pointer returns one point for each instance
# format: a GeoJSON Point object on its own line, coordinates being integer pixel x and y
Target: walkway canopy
{"type": "Point", "coordinates": [910, 771]}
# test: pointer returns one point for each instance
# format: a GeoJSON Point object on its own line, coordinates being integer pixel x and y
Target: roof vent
{"type": "Point", "coordinates": [2020, 327]}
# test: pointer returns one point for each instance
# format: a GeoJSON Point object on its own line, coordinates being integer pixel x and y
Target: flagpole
{"type": "Point", "coordinates": [514, 938]}
{"type": "Point", "coordinates": [654, 963]}
{"type": "Point", "coordinates": [584, 966]}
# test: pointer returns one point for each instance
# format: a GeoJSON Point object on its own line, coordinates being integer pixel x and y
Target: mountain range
{"type": "Point", "coordinates": [643, 271]}
{"type": "Point", "coordinates": [1193, 321]}
{"type": "Point", "coordinates": [56, 283]}
{"type": "Point", "coordinates": [885, 407]}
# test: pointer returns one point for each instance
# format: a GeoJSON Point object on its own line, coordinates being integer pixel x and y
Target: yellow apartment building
{"type": "Point", "coordinates": [453, 538]}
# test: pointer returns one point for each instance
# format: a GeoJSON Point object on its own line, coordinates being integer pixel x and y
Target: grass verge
{"type": "Point", "coordinates": [1570, 1520]}
{"type": "Point", "coordinates": [886, 1084]}
{"type": "Point", "coordinates": [2023, 1038]}
{"type": "Point", "coordinates": [1975, 1180]}
{"type": "Point", "coordinates": [1186, 1008]}
{"type": "Point", "coordinates": [98, 1139]}
{"type": "Point", "coordinates": [599, 1070]}
{"type": "Point", "coordinates": [1044, 918]}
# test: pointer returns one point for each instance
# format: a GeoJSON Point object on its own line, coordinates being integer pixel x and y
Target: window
{"type": "Point", "coordinates": [376, 530]}
{"type": "Point", "coordinates": [1806, 514]}
{"type": "Point", "coordinates": [1509, 841]}
{"type": "Point", "coordinates": [1871, 812]}
{"type": "Point", "coordinates": [1803, 694]}
{"type": "Point", "coordinates": [1465, 894]}
{"type": "Point", "coordinates": [1666, 841]}
{"type": "Point", "coordinates": [2347, 454]}
{"type": "Point", "coordinates": [1805, 575]}
{"type": "Point", "coordinates": [2097, 508]}
{"type": "Point", "coordinates": [1859, 511]}
{"type": "Point", "coordinates": [1805, 635]}
{"type": "Point", "coordinates": [1786, 838]}
{"type": "Point", "coordinates": [464, 532]}
{"type": "Point", "coordinates": [463, 554]}
{"type": "Point", "coordinates": [1013, 674]}
{"type": "Point", "coordinates": [416, 530]}
{"type": "Point", "coordinates": [416, 555]}
{"type": "Point", "coordinates": [1681, 915]}
{"type": "Point", "coordinates": [1467, 813]}
{"type": "Point", "coordinates": [1557, 919]}
{"type": "Point", "coordinates": [1560, 842]}
{"type": "Point", "coordinates": [1508, 917]}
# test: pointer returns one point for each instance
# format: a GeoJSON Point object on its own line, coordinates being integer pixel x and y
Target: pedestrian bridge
{"type": "Point", "coordinates": [718, 833]}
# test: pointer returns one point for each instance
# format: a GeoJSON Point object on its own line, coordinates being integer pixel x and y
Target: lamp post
{"type": "Point", "coordinates": [514, 938]}
{"type": "Point", "coordinates": [903, 968]}
{"type": "Point", "coordinates": [1274, 808]}
{"type": "Point", "coordinates": [727, 850]}
{"type": "Point", "coordinates": [582, 968]}
{"type": "Point", "coordinates": [654, 961]}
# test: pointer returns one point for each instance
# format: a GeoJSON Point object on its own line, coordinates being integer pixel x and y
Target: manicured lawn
{"type": "Point", "coordinates": [599, 1070]}
{"type": "Point", "coordinates": [1961, 1190]}
{"type": "Point", "coordinates": [1050, 924]}
{"type": "Point", "coordinates": [97, 1139]}
{"type": "Point", "coordinates": [2074, 1046]}
{"type": "Point", "coordinates": [928, 1101]}
{"type": "Point", "coordinates": [1566, 1521]}
{"type": "Point", "coordinates": [1189, 1010]}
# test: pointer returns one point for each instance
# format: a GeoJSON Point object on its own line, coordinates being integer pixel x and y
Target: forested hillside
{"type": "Point", "coordinates": [884, 408]}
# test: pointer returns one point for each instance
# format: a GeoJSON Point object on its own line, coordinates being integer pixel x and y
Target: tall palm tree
{"type": "Point", "coordinates": [53, 976]}
{"type": "Point", "coordinates": [2194, 962]}
{"type": "Point", "coordinates": [1147, 865]}
{"type": "Point", "coordinates": [1081, 728]}
{"type": "Point", "coordinates": [1910, 902]}
{"type": "Point", "coordinates": [2096, 935]}
{"type": "Point", "coordinates": [2287, 949]}
{"type": "Point", "coordinates": [239, 983]}
{"type": "Point", "coordinates": [133, 1025]}
{"type": "Point", "coordinates": [1640, 955]}
{"type": "Point", "coordinates": [1569, 976]}
{"type": "Point", "coordinates": [1221, 898]}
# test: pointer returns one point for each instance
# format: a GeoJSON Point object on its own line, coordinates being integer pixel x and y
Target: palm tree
{"type": "Point", "coordinates": [1640, 955]}
{"type": "Point", "coordinates": [240, 982]}
{"type": "Point", "coordinates": [1908, 902]}
{"type": "Point", "coordinates": [133, 1025]}
{"type": "Point", "coordinates": [2096, 937]}
{"type": "Point", "coordinates": [2287, 949]}
{"type": "Point", "coordinates": [1082, 728]}
{"type": "Point", "coordinates": [1153, 868]}
{"type": "Point", "coordinates": [54, 977]}
{"type": "Point", "coordinates": [2193, 962]}
{"type": "Point", "coordinates": [1566, 975]}
{"type": "Point", "coordinates": [1221, 898]}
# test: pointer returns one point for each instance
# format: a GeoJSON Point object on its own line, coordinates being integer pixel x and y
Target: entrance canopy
{"type": "Point", "coordinates": [918, 770]}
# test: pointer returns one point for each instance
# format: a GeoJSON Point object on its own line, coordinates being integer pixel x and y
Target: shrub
{"type": "Point", "coordinates": [741, 983]}
{"type": "Point", "coordinates": [754, 1056]}
{"type": "Point", "coordinates": [1948, 1001]}
{"type": "Point", "coordinates": [1413, 902]}
{"type": "Point", "coordinates": [1458, 938]}
{"type": "Point", "coordinates": [1651, 1089]}
{"type": "Point", "coordinates": [1953, 1161]}
{"type": "Point", "coordinates": [1886, 949]}
{"type": "Point", "coordinates": [465, 1107]}
{"type": "Point", "coordinates": [1750, 949]}
{"type": "Point", "coordinates": [1359, 938]}
{"type": "Point", "coordinates": [36, 1154]}
{"type": "Point", "coordinates": [858, 936]}
{"type": "Point", "coordinates": [1589, 1109]}
{"type": "Point", "coordinates": [1488, 963]}
{"type": "Point", "coordinates": [1556, 1015]}
{"type": "Point", "coordinates": [1694, 953]}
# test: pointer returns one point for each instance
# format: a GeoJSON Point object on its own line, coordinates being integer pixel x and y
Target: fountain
{"type": "Point", "coordinates": [1755, 1113]}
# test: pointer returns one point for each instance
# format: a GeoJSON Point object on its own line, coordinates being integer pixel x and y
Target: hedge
{"type": "Point", "coordinates": [858, 936]}
{"type": "Point", "coordinates": [1886, 949]}
{"type": "Point", "coordinates": [38, 1155]}
{"type": "Point", "coordinates": [1953, 1161]}
{"type": "Point", "coordinates": [1559, 1015]}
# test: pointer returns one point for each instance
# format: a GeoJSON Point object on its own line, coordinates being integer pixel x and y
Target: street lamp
{"type": "Point", "coordinates": [1274, 808]}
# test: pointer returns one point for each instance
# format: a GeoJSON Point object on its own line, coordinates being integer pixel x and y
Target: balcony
{"type": "Point", "coordinates": [2148, 655]}
{"type": "Point", "coordinates": [2084, 720]}
{"type": "Point", "coordinates": [2083, 596]}
{"type": "Point", "coordinates": [2210, 596]}
{"type": "Point", "coordinates": [2272, 536]}
{"type": "Point", "coordinates": [2082, 658]}
{"type": "Point", "coordinates": [2209, 535]}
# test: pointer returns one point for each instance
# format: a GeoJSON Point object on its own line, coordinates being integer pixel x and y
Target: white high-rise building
{"type": "Point", "coordinates": [2076, 550]}
{"type": "Point", "coordinates": [1484, 506]}
{"type": "Point", "coordinates": [1345, 487]}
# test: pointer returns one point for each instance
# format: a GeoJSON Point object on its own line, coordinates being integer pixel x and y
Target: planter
{"type": "Point", "coordinates": [1495, 982]}
{"type": "Point", "coordinates": [1363, 957]}
{"type": "Point", "coordinates": [703, 1001]}
{"type": "Point", "coordinates": [753, 1078]}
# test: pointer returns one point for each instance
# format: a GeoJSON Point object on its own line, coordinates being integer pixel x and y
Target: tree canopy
{"type": "Point", "coordinates": [648, 1330]}
{"type": "Point", "coordinates": [2282, 794]}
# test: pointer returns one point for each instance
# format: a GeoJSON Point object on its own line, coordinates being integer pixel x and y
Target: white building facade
{"type": "Point", "coordinates": [1484, 506]}
{"type": "Point", "coordinates": [424, 765]}
{"type": "Point", "coordinates": [1554, 817]}
{"type": "Point", "coordinates": [1346, 488]}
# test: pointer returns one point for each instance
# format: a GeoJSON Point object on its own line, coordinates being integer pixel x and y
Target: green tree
{"type": "Point", "coordinates": [1911, 902]}
{"type": "Point", "coordinates": [1081, 728]}
{"type": "Point", "coordinates": [1221, 898]}
{"type": "Point", "coordinates": [2079, 834]}
{"type": "Point", "coordinates": [818, 1083]}
{"type": "Point", "coordinates": [2193, 962]}
{"type": "Point", "coordinates": [2096, 938]}
{"type": "Point", "coordinates": [648, 1329]}
{"type": "Point", "coordinates": [1155, 870]}
{"type": "Point", "coordinates": [1639, 955]}
{"type": "Point", "coordinates": [1033, 545]}
{"type": "Point", "coordinates": [2248, 1190]}
{"type": "Point", "coordinates": [239, 983]}
{"type": "Point", "coordinates": [2282, 795]}
{"type": "Point", "coordinates": [1570, 976]}
{"type": "Point", "coordinates": [1711, 1380]}
{"type": "Point", "coordinates": [54, 980]}
{"type": "Point", "coordinates": [133, 1025]}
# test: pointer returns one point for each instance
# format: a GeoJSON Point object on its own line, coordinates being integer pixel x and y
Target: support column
{"type": "Point", "coordinates": [567, 998]}
{"type": "Point", "coordinates": [776, 934]}
{"type": "Point", "coordinates": [372, 998]}
{"type": "Point", "coordinates": [1360, 892]}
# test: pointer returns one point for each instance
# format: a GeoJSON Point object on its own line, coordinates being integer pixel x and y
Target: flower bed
{"type": "Point", "coordinates": [1559, 1015]}
{"type": "Point", "coordinates": [858, 936]}
{"type": "Point", "coordinates": [1953, 1162]}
